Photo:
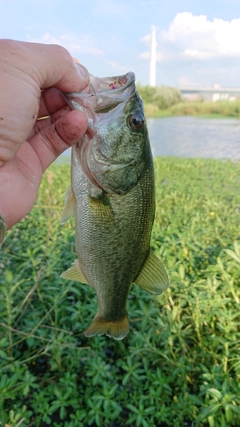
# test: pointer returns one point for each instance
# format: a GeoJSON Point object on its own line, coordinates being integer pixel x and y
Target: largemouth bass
{"type": "Point", "coordinates": [112, 198]}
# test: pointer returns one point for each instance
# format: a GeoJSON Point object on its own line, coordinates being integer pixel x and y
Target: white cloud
{"type": "Point", "coordinates": [146, 55]}
{"type": "Point", "coordinates": [146, 39]}
{"type": "Point", "coordinates": [72, 43]}
{"type": "Point", "coordinates": [118, 68]}
{"type": "Point", "coordinates": [197, 37]}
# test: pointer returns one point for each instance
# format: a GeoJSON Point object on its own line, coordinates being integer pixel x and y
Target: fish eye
{"type": "Point", "coordinates": [136, 121]}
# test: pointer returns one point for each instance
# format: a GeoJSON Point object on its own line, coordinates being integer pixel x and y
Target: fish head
{"type": "Point", "coordinates": [115, 151]}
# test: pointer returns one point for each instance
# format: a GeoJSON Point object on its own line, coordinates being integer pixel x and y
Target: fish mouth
{"type": "Point", "coordinates": [103, 94]}
{"type": "Point", "coordinates": [103, 101]}
{"type": "Point", "coordinates": [116, 83]}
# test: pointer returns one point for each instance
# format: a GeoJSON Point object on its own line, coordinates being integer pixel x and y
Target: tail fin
{"type": "Point", "coordinates": [116, 329]}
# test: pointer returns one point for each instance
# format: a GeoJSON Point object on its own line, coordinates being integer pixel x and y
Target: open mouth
{"type": "Point", "coordinates": [103, 93]}
{"type": "Point", "coordinates": [103, 85]}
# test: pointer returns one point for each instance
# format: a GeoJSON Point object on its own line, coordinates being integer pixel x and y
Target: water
{"type": "Point", "coordinates": [194, 137]}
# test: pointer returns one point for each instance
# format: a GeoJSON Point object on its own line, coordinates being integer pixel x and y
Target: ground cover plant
{"type": "Point", "coordinates": [179, 365]}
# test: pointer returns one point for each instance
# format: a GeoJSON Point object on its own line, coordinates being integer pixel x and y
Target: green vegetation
{"type": "Point", "coordinates": [218, 109]}
{"type": "Point", "coordinates": [162, 97]}
{"type": "Point", "coordinates": [164, 101]}
{"type": "Point", "coordinates": [181, 360]}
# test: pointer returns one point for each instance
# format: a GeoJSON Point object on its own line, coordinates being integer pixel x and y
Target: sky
{"type": "Point", "coordinates": [198, 42]}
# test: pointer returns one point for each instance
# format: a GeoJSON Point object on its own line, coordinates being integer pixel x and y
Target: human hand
{"type": "Point", "coordinates": [32, 77]}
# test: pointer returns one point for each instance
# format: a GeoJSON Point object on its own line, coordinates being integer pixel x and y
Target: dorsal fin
{"type": "Point", "coordinates": [153, 276]}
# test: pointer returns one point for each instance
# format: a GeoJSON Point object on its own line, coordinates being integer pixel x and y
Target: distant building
{"type": "Point", "coordinates": [214, 93]}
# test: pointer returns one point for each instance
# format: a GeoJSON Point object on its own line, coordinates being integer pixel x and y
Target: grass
{"type": "Point", "coordinates": [180, 362]}
{"type": "Point", "coordinates": [206, 109]}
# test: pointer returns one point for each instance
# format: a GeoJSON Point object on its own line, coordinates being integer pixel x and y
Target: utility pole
{"type": "Point", "coordinates": [153, 49]}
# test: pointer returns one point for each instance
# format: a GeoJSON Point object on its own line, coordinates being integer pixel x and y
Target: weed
{"type": "Point", "coordinates": [180, 363]}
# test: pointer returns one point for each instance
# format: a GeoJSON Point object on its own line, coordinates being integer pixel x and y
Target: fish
{"type": "Point", "coordinates": [112, 197]}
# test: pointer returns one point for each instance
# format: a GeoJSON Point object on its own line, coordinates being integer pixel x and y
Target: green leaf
{"type": "Point", "coordinates": [211, 421]}
{"type": "Point", "coordinates": [228, 413]}
{"type": "Point", "coordinates": [207, 412]}
{"type": "Point", "coordinates": [132, 408]}
{"type": "Point", "coordinates": [234, 408]}
{"type": "Point", "coordinates": [233, 255]}
{"type": "Point", "coordinates": [215, 393]}
{"type": "Point", "coordinates": [181, 271]}
{"type": "Point", "coordinates": [9, 276]}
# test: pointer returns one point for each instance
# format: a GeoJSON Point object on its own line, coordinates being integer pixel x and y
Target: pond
{"type": "Point", "coordinates": [194, 137]}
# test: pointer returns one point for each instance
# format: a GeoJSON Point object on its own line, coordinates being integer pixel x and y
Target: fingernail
{"type": "Point", "coordinates": [2, 230]}
{"type": "Point", "coordinates": [82, 71]}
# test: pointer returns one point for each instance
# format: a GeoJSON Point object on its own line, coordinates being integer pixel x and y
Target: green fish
{"type": "Point", "coordinates": [112, 199]}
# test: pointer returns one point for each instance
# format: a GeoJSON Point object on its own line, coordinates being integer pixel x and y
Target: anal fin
{"type": "Point", "coordinates": [74, 273]}
{"type": "Point", "coordinates": [153, 276]}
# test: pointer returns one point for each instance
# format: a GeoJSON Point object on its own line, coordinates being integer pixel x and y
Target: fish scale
{"type": "Point", "coordinates": [108, 243]}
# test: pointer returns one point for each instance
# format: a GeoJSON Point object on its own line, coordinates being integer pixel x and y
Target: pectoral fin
{"type": "Point", "coordinates": [102, 208]}
{"type": "Point", "coordinates": [153, 276]}
{"type": "Point", "coordinates": [69, 208]}
{"type": "Point", "coordinates": [74, 273]}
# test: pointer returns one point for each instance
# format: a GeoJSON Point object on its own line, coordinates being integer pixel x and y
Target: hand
{"type": "Point", "coordinates": [31, 78]}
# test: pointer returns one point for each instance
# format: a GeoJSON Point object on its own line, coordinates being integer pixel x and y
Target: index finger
{"type": "Point", "coordinates": [47, 64]}
{"type": "Point", "coordinates": [59, 69]}
{"type": "Point", "coordinates": [51, 101]}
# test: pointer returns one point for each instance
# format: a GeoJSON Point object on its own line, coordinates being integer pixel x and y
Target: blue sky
{"type": "Point", "coordinates": [198, 42]}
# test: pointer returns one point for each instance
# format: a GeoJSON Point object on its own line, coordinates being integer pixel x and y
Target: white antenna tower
{"type": "Point", "coordinates": [153, 49]}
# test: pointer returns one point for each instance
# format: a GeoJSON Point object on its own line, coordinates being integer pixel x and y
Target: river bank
{"type": "Point", "coordinates": [218, 109]}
